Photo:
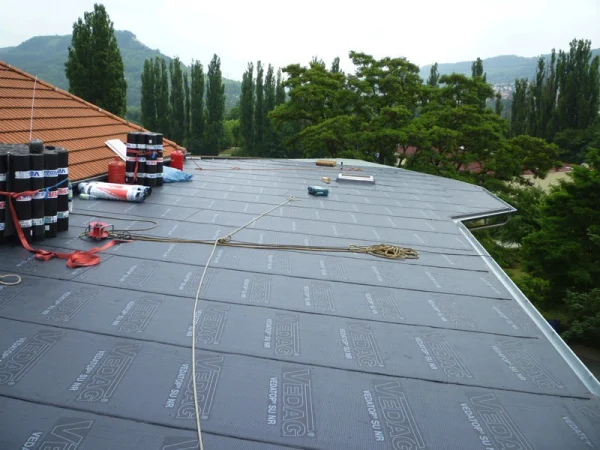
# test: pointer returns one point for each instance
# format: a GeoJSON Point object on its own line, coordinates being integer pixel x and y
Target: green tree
{"type": "Point", "coordinates": [176, 102]}
{"type": "Point", "coordinates": [434, 76]}
{"type": "Point", "coordinates": [541, 97]}
{"type": "Point", "coordinates": [310, 120]}
{"type": "Point", "coordinates": [584, 310]}
{"type": "Point", "coordinates": [247, 110]}
{"type": "Point", "coordinates": [149, 90]}
{"type": "Point", "coordinates": [134, 115]}
{"type": "Point", "coordinates": [477, 69]}
{"type": "Point", "coordinates": [456, 133]}
{"type": "Point", "coordinates": [455, 137]}
{"type": "Point", "coordinates": [566, 249]}
{"type": "Point", "coordinates": [196, 108]}
{"type": "Point", "coordinates": [231, 134]}
{"type": "Point", "coordinates": [270, 144]}
{"type": "Point", "coordinates": [528, 201]}
{"type": "Point", "coordinates": [187, 108]}
{"type": "Point", "coordinates": [579, 86]}
{"type": "Point", "coordinates": [335, 65]}
{"type": "Point", "coordinates": [279, 90]}
{"type": "Point", "coordinates": [477, 72]}
{"type": "Point", "coordinates": [259, 111]}
{"type": "Point", "coordinates": [519, 108]}
{"type": "Point", "coordinates": [387, 94]}
{"type": "Point", "coordinates": [579, 99]}
{"type": "Point", "coordinates": [215, 107]}
{"type": "Point", "coordinates": [233, 113]}
{"type": "Point", "coordinates": [162, 96]}
{"type": "Point", "coordinates": [499, 106]}
{"type": "Point", "coordinates": [94, 65]}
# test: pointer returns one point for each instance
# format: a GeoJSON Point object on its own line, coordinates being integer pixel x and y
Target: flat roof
{"type": "Point", "coordinates": [294, 349]}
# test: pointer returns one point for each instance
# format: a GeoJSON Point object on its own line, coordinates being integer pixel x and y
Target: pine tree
{"type": "Point", "coordinates": [434, 76]}
{"type": "Point", "coordinates": [279, 90]}
{"type": "Point", "coordinates": [94, 65]}
{"type": "Point", "coordinates": [148, 102]}
{"type": "Point", "coordinates": [247, 110]}
{"type": "Point", "coordinates": [215, 107]}
{"type": "Point", "coordinates": [186, 106]}
{"type": "Point", "coordinates": [176, 102]}
{"type": "Point", "coordinates": [162, 96]}
{"type": "Point", "coordinates": [197, 108]}
{"type": "Point", "coordinates": [259, 121]}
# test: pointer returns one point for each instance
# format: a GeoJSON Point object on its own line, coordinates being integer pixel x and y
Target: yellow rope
{"type": "Point", "coordinates": [387, 251]}
{"type": "Point", "coordinates": [10, 283]}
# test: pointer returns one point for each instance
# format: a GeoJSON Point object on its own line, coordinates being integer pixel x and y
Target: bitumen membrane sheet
{"type": "Point", "coordinates": [294, 349]}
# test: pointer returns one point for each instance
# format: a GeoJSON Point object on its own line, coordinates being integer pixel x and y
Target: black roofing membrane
{"type": "Point", "coordinates": [27, 425]}
{"type": "Point", "coordinates": [294, 350]}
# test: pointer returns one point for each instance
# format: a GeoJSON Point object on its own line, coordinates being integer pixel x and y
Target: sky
{"type": "Point", "coordinates": [283, 32]}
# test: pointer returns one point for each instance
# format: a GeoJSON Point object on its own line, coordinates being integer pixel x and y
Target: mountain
{"type": "Point", "coordinates": [45, 56]}
{"type": "Point", "coordinates": [499, 69]}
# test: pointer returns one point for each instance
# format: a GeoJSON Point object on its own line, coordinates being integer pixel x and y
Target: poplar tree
{"type": "Point", "coordinates": [434, 76]}
{"type": "Point", "coordinates": [196, 108]}
{"type": "Point", "coordinates": [269, 137]}
{"type": "Point", "coordinates": [499, 106]}
{"type": "Point", "coordinates": [162, 96]}
{"type": "Point", "coordinates": [94, 65]}
{"type": "Point", "coordinates": [519, 108]}
{"type": "Point", "coordinates": [176, 102]}
{"type": "Point", "coordinates": [279, 90]}
{"type": "Point", "coordinates": [259, 117]}
{"type": "Point", "coordinates": [186, 108]}
{"type": "Point", "coordinates": [215, 107]}
{"type": "Point", "coordinates": [247, 110]}
{"type": "Point", "coordinates": [149, 90]}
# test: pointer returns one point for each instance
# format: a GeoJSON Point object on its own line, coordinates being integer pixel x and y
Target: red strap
{"type": "Point", "coordinates": [137, 153]}
{"type": "Point", "coordinates": [78, 258]}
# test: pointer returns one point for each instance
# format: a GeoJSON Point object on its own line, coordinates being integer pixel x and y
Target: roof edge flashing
{"type": "Point", "coordinates": [580, 369]}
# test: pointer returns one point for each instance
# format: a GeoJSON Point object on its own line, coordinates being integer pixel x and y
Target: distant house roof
{"type": "Point", "coordinates": [61, 119]}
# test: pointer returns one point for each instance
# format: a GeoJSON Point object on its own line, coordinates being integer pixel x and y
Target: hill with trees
{"type": "Point", "coordinates": [45, 56]}
{"type": "Point", "coordinates": [503, 69]}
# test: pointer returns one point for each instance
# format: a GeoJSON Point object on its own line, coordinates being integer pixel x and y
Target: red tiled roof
{"type": "Point", "coordinates": [61, 119]}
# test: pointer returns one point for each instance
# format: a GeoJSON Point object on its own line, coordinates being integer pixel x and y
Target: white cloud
{"type": "Point", "coordinates": [281, 32]}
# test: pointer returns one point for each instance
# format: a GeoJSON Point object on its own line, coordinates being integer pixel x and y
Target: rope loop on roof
{"type": "Point", "coordinates": [10, 283]}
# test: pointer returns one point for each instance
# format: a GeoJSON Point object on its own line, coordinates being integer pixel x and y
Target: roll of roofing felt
{"type": "Point", "coordinates": [111, 191]}
{"type": "Point", "coordinates": [141, 158]}
{"type": "Point", "coordinates": [20, 181]}
{"type": "Point", "coordinates": [131, 157]}
{"type": "Point", "coordinates": [151, 160]}
{"type": "Point", "coordinates": [38, 200]}
{"type": "Point", "coordinates": [36, 146]}
{"type": "Point", "coordinates": [62, 214]}
{"type": "Point", "coordinates": [50, 181]}
{"type": "Point", "coordinates": [159, 159]}
{"type": "Point", "coordinates": [3, 188]}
